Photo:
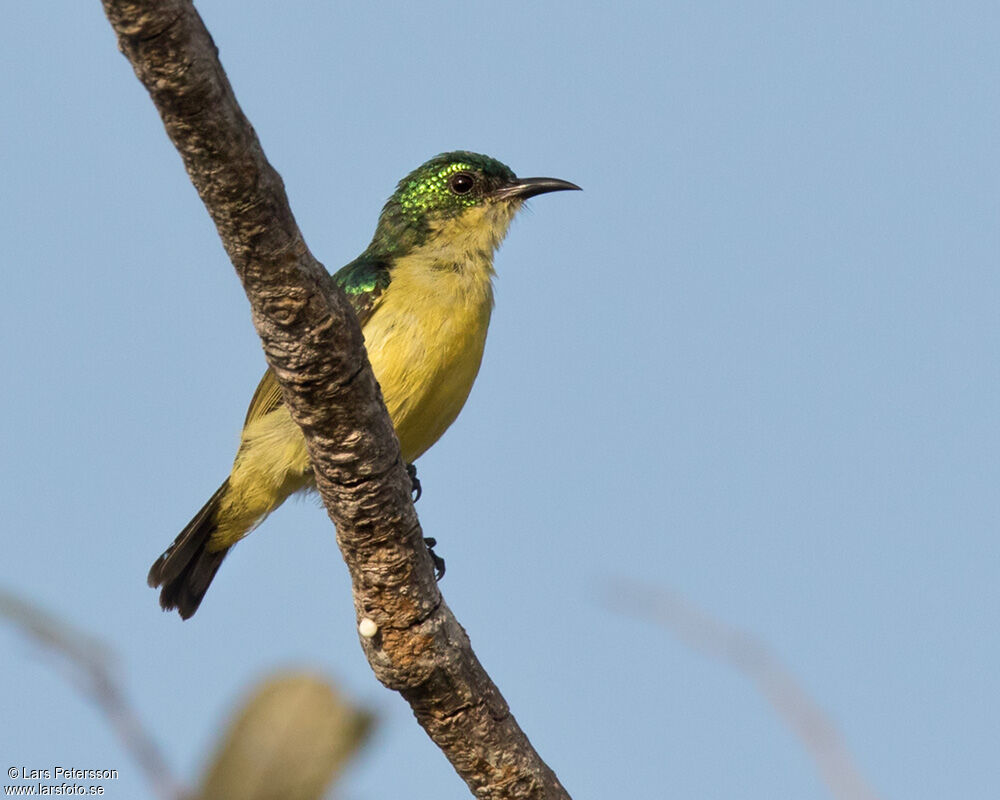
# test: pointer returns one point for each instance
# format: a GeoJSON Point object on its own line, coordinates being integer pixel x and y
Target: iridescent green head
{"type": "Point", "coordinates": [450, 183]}
{"type": "Point", "coordinates": [455, 188]}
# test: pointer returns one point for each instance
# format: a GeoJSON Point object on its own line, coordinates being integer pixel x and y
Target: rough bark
{"type": "Point", "coordinates": [312, 340]}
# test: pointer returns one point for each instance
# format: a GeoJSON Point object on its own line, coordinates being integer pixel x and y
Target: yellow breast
{"type": "Point", "coordinates": [425, 341]}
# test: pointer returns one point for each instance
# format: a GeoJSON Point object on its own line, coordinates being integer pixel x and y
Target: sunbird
{"type": "Point", "coordinates": [423, 293]}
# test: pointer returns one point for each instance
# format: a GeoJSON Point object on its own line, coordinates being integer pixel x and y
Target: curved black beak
{"type": "Point", "coordinates": [523, 188]}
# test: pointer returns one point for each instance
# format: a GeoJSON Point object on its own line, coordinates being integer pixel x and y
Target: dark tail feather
{"type": "Point", "coordinates": [187, 567]}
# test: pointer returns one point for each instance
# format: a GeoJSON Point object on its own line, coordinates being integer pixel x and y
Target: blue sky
{"type": "Point", "coordinates": [755, 362]}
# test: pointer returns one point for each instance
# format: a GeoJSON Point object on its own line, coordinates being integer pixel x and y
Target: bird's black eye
{"type": "Point", "coordinates": [461, 183]}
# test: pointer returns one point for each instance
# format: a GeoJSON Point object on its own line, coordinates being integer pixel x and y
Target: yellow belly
{"type": "Point", "coordinates": [425, 342]}
{"type": "Point", "coordinates": [425, 346]}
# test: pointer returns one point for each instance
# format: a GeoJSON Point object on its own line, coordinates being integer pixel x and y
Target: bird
{"type": "Point", "coordinates": [423, 294]}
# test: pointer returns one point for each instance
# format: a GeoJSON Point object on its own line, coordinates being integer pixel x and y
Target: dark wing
{"type": "Point", "coordinates": [363, 280]}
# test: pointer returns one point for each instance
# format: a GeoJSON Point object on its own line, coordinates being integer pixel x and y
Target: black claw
{"type": "Point", "coordinates": [438, 561]}
{"type": "Point", "coordinates": [411, 470]}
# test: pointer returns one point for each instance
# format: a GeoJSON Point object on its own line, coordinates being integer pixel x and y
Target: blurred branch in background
{"type": "Point", "coordinates": [751, 656]}
{"type": "Point", "coordinates": [89, 664]}
{"type": "Point", "coordinates": [289, 740]}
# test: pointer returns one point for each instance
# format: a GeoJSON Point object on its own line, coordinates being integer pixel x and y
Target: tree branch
{"type": "Point", "coordinates": [312, 340]}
